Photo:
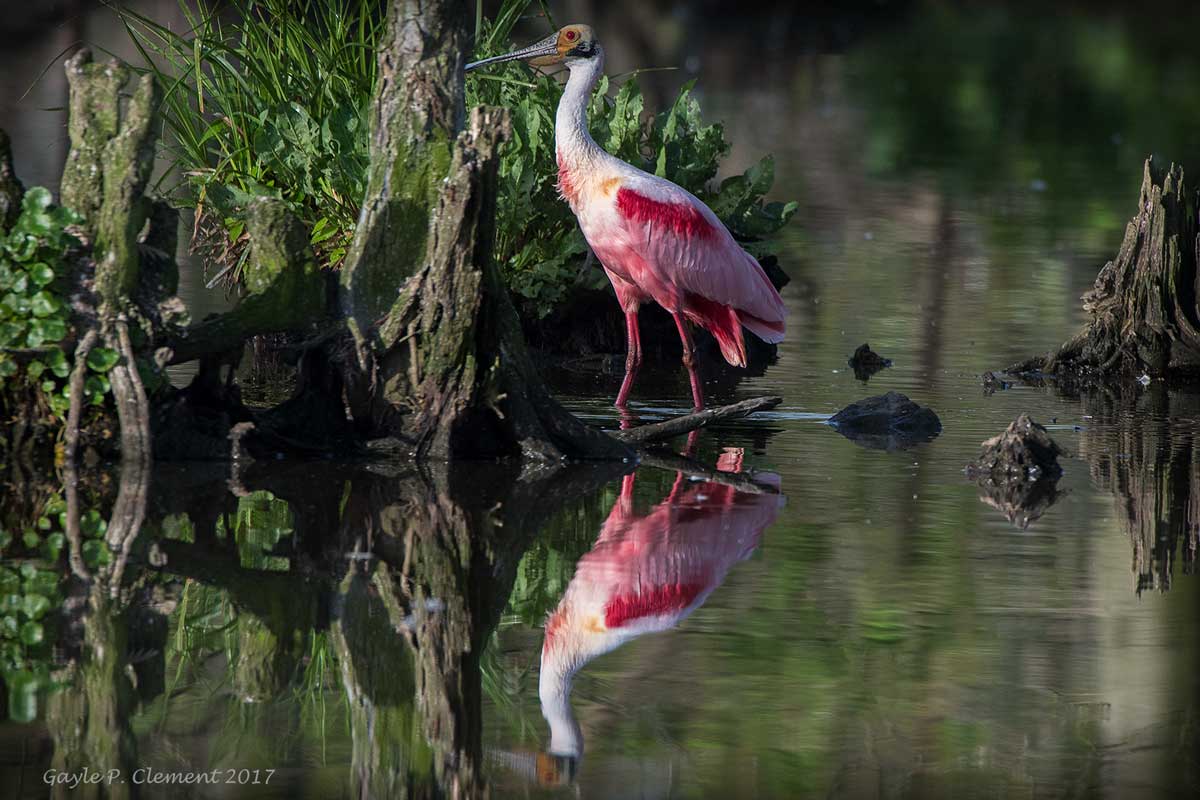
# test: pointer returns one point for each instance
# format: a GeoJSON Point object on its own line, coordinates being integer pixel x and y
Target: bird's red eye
{"type": "Point", "coordinates": [571, 36]}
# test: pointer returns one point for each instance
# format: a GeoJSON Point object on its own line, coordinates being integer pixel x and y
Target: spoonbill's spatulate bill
{"type": "Point", "coordinates": [656, 240]}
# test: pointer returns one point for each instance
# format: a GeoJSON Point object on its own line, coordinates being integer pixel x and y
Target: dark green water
{"type": "Point", "coordinates": [863, 624]}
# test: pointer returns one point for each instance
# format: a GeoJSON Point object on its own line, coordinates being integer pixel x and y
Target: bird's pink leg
{"type": "Point", "coordinates": [633, 356]}
{"type": "Point", "coordinates": [689, 360]}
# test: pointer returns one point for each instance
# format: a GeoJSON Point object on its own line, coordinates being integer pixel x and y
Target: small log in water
{"type": "Point", "coordinates": [657, 431]}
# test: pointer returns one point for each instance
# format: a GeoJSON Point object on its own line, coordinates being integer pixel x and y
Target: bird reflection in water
{"type": "Point", "coordinates": [645, 573]}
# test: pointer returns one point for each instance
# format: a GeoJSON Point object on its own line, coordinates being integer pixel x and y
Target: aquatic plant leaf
{"type": "Point", "coordinates": [32, 633]}
{"type": "Point", "coordinates": [96, 553]}
{"type": "Point", "coordinates": [102, 359]}
{"type": "Point", "coordinates": [41, 273]}
{"type": "Point", "coordinates": [37, 199]}
{"type": "Point", "coordinates": [43, 304]}
{"type": "Point", "coordinates": [58, 364]}
{"type": "Point", "coordinates": [92, 524]}
{"type": "Point", "coordinates": [35, 606]}
{"type": "Point", "coordinates": [52, 546]}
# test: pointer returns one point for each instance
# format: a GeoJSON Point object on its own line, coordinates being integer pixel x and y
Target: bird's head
{"type": "Point", "coordinates": [568, 45]}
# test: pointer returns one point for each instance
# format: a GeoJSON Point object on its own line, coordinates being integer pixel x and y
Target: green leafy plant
{"type": "Point", "coordinates": [34, 312]}
{"type": "Point", "coordinates": [276, 104]}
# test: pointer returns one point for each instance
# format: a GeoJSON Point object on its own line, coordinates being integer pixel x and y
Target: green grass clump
{"type": "Point", "coordinates": [270, 104]}
{"type": "Point", "coordinates": [276, 103]}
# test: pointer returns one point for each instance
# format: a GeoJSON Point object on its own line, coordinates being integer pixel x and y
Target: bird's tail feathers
{"type": "Point", "coordinates": [723, 323]}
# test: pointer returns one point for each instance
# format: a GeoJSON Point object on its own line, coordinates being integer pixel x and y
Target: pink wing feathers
{"type": "Point", "coordinates": [690, 263]}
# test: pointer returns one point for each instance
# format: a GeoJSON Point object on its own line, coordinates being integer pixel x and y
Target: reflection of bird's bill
{"type": "Point", "coordinates": [547, 769]}
{"type": "Point", "coordinates": [553, 770]}
{"type": "Point", "coordinates": [542, 53]}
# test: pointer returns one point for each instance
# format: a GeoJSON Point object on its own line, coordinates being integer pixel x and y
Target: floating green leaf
{"type": "Point", "coordinates": [37, 199]}
{"type": "Point", "coordinates": [58, 364]}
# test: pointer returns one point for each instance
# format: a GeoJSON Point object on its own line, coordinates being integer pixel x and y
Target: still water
{"type": "Point", "coordinates": [779, 612]}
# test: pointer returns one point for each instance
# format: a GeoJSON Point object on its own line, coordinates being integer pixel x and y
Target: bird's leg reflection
{"type": "Point", "coordinates": [627, 418]}
{"type": "Point", "coordinates": [644, 574]}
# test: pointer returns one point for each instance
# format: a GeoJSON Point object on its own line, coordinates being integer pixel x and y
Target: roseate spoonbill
{"type": "Point", "coordinates": [644, 574]}
{"type": "Point", "coordinates": [655, 240]}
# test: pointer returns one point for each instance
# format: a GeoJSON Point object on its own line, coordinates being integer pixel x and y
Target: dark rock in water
{"type": "Point", "coordinates": [1019, 471]}
{"type": "Point", "coordinates": [866, 362]}
{"type": "Point", "coordinates": [887, 422]}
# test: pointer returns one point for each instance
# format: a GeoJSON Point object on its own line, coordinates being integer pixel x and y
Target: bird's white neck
{"type": "Point", "coordinates": [571, 138]}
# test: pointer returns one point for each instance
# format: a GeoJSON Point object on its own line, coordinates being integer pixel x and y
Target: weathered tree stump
{"type": "Point", "coordinates": [1023, 451]}
{"type": "Point", "coordinates": [1144, 313]}
{"type": "Point", "coordinates": [447, 371]}
{"type": "Point", "coordinates": [109, 163]}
